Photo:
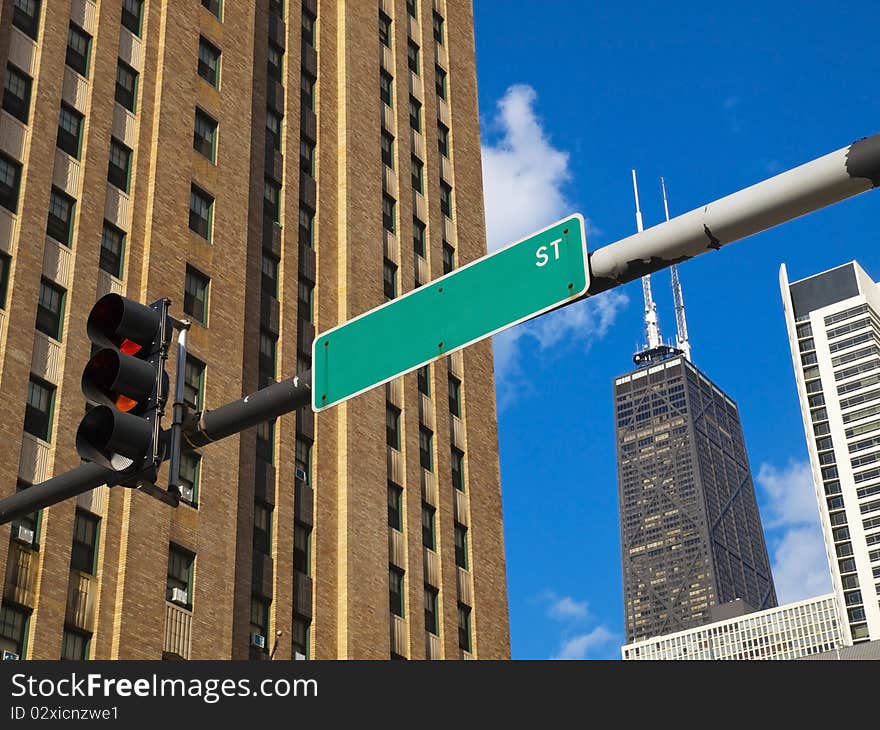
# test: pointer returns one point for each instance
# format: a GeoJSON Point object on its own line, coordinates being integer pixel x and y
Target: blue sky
{"type": "Point", "coordinates": [572, 96]}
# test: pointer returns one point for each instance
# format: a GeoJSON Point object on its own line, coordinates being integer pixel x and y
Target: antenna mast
{"type": "Point", "coordinates": [681, 337]}
{"type": "Point", "coordinates": [652, 325]}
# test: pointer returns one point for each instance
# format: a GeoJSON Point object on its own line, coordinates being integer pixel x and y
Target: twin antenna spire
{"type": "Point", "coordinates": [654, 348]}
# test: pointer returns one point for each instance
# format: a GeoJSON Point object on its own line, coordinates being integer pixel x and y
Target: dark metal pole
{"type": "Point", "coordinates": [264, 405]}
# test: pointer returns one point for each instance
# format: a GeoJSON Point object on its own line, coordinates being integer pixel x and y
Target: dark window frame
{"type": "Point", "coordinates": [126, 93]}
{"type": "Point", "coordinates": [386, 88]}
{"type": "Point", "coordinates": [389, 205]}
{"type": "Point", "coordinates": [429, 531]}
{"type": "Point", "coordinates": [38, 422]}
{"type": "Point", "coordinates": [441, 82]}
{"type": "Point", "coordinates": [389, 278]}
{"type": "Point", "coordinates": [18, 106]}
{"type": "Point", "coordinates": [51, 321]}
{"type": "Point", "coordinates": [392, 426]}
{"type": "Point", "coordinates": [119, 175]}
{"type": "Point", "coordinates": [200, 293]}
{"type": "Point", "coordinates": [75, 58]}
{"type": "Point", "coordinates": [112, 261]}
{"type": "Point", "coordinates": [426, 455]}
{"type": "Point", "coordinates": [205, 135]}
{"type": "Point", "coordinates": [180, 572]}
{"type": "Point", "coordinates": [56, 227]}
{"type": "Point", "coordinates": [208, 65]}
{"type": "Point", "coordinates": [27, 23]}
{"type": "Point", "coordinates": [70, 140]}
{"type": "Point", "coordinates": [415, 114]}
{"type": "Point", "coordinates": [9, 194]}
{"type": "Point", "coordinates": [194, 382]}
{"type": "Point", "coordinates": [199, 223]}
{"type": "Point", "coordinates": [133, 15]}
{"type": "Point", "coordinates": [395, 506]}
{"type": "Point", "coordinates": [86, 538]}
{"type": "Point", "coordinates": [396, 591]}
{"type": "Point", "coordinates": [385, 35]}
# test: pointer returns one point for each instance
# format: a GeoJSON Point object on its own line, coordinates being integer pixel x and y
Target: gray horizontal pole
{"type": "Point", "coordinates": [826, 180]}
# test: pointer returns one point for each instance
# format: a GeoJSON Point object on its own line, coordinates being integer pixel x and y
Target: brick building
{"type": "Point", "coordinates": [274, 168]}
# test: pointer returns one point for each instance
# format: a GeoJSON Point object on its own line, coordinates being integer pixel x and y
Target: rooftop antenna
{"type": "Point", "coordinates": [652, 325]}
{"type": "Point", "coordinates": [681, 338]}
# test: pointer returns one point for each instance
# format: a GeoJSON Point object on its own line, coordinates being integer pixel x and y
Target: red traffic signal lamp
{"type": "Point", "coordinates": [126, 382]}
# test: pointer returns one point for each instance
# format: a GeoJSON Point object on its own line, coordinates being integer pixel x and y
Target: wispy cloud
{"type": "Point", "coordinates": [791, 517]}
{"type": "Point", "coordinates": [587, 646]}
{"type": "Point", "coordinates": [524, 180]}
{"type": "Point", "coordinates": [566, 608]}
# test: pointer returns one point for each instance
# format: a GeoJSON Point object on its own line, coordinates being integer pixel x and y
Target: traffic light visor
{"type": "Point", "coordinates": [116, 321]}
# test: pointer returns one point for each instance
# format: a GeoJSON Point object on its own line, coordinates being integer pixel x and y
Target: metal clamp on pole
{"type": "Point", "coordinates": [179, 407]}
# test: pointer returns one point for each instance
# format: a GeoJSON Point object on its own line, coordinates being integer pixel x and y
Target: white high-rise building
{"type": "Point", "coordinates": [833, 321]}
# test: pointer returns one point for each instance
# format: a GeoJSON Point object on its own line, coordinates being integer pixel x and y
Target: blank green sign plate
{"type": "Point", "coordinates": [489, 295]}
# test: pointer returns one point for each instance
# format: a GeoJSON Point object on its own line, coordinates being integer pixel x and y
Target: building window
{"type": "Point", "coordinates": [195, 295]}
{"type": "Point", "coordinates": [438, 27]}
{"type": "Point", "coordinates": [431, 618]}
{"type": "Point", "coordinates": [307, 157]}
{"type": "Point", "coordinates": [132, 15]}
{"type": "Point", "coordinates": [50, 309]}
{"type": "Point", "coordinates": [180, 574]}
{"type": "Point", "coordinates": [266, 441]}
{"type": "Point", "coordinates": [190, 468]}
{"type": "Point", "coordinates": [307, 92]}
{"type": "Point", "coordinates": [193, 382]}
{"type": "Point", "coordinates": [448, 258]}
{"type": "Point", "coordinates": [303, 459]}
{"type": "Point", "coordinates": [273, 129]}
{"type": "Point", "coordinates": [395, 507]}
{"type": "Point", "coordinates": [415, 114]}
{"type": "Point", "coordinates": [411, 8]}
{"type": "Point", "coordinates": [78, 44]}
{"type": "Point", "coordinates": [388, 149]}
{"type": "Point", "coordinates": [276, 7]}
{"type": "Point", "coordinates": [260, 617]}
{"type": "Point", "coordinates": [84, 553]}
{"type": "Point", "coordinates": [412, 57]}
{"type": "Point", "coordinates": [209, 62]}
{"type": "Point", "coordinates": [454, 396]}
{"type": "Point", "coordinates": [392, 426]}
{"type": "Point", "coordinates": [305, 299]}
{"type": "Point", "coordinates": [389, 276]}
{"type": "Point", "coordinates": [306, 227]}
{"type": "Point", "coordinates": [419, 239]}
{"type": "Point", "coordinates": [384, 30]}
{"type": "Point", "coordinates": [17, 93]}
{"type": "Point", "coordinates": [126, 85]}
{"type": "Point", "coordinates": [112, 250]}
{"type": "Point", "coordinates": [423, 379]}
{"type": "Point", "coordinates": [39, 408]}
{"type": "Point", "coordinates": [5, 265]}
{"type": "Point", "coordinates": [267, 366]}
{"type": "Point", "coordinates": [271, 200]}
{"type": "Point", "coordinates": [75, 645]}
{"type": "Point", "coordinates": [395, 590]}
{"type": "Point", "coordinates": [205, 135]}
{"type": "Point", "coordinates": [440, 78]}
{"type": "Point", "coordinates": [70, 123]}
{"type": "Point", "coordinates": [464, 627]}
{"type": "Point", "coordinates": [308, 29]}
{"type": "Point", "coordinates": [302, 535]}
{"type": "Point", "coordinates": [60, 223]}
{"type": "Point", "coordinates": [26, 16]}
{"type": "Point", "coordinates": [269, 275]}
{"type": "Point", "coordinates": [10, 179]}
{"type": "Point", "coordinates": [201, 209]}
{"type": "Point", "coordinates": [299, 641]}
{"type": "Point", "coordinates": [386, 84]}
{"type": "Point", "coordinates": [428, 539]}
{"type": "Point", "coordinates": [443, 139]}
{"type": "Point", "coordinates": [417, 175]}
{"type": "Point", "coordinates": [461, 546]}
{"type": "Point", "coordinates": [388, 213]}
{"type": "Point", "coordinates": [13, 628]}
{"type": "Point", "coordinates": [119, 169]}
{"type": "Point", "coordinates": [446, 200]}
{"type": "Point", "coordinates": [215, 7]}
{"type": "Point", "coordinates": [275, 62]}
{"type": "Point", "coordinates": [262, 528]}
{"type": "Point", "coordinates": [426, 457]}
{"type": "Point", "coordinates": [458, 469]}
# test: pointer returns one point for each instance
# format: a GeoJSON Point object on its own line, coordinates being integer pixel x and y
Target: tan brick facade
{"type": "Point", "coordinates": [120, 609]}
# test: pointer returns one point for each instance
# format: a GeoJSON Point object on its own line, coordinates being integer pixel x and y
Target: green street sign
{"type": "Point", "coordinates": [504, 288]}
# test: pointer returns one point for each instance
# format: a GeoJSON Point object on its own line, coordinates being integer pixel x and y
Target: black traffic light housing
{"type": "Point", "coordinates": [126, 382]}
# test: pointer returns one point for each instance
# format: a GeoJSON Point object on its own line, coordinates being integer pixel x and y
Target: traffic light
{"type": "Point", "coordinates": [126, 382]}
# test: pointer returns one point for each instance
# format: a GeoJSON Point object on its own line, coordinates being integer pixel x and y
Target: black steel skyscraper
{"type": "Point", "coordinates": [691, 535]}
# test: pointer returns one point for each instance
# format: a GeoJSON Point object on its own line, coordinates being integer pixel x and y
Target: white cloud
{"type": "Point", "coordinates": [565, 608]}
{"type": "Point", "coordinates": [791, 516]}
{"type": "Point", "coordinates": [524, 177]}
{"type": "Point", "coordinates": [790, 496]}
{"type": "Point", "coordinates": [800, 566]}
{"type": "Point", "coordinates": [523, 173]}
{"type": "Point", "coordinates": [581, 646]}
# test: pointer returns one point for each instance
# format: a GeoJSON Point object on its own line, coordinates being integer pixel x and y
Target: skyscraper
{"type": "Point", "coordinates": [690, 532]}
{"type": "Point", "coordinates": [833, 322]}
{"type": "Point", "coordinates": [274, 168]}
